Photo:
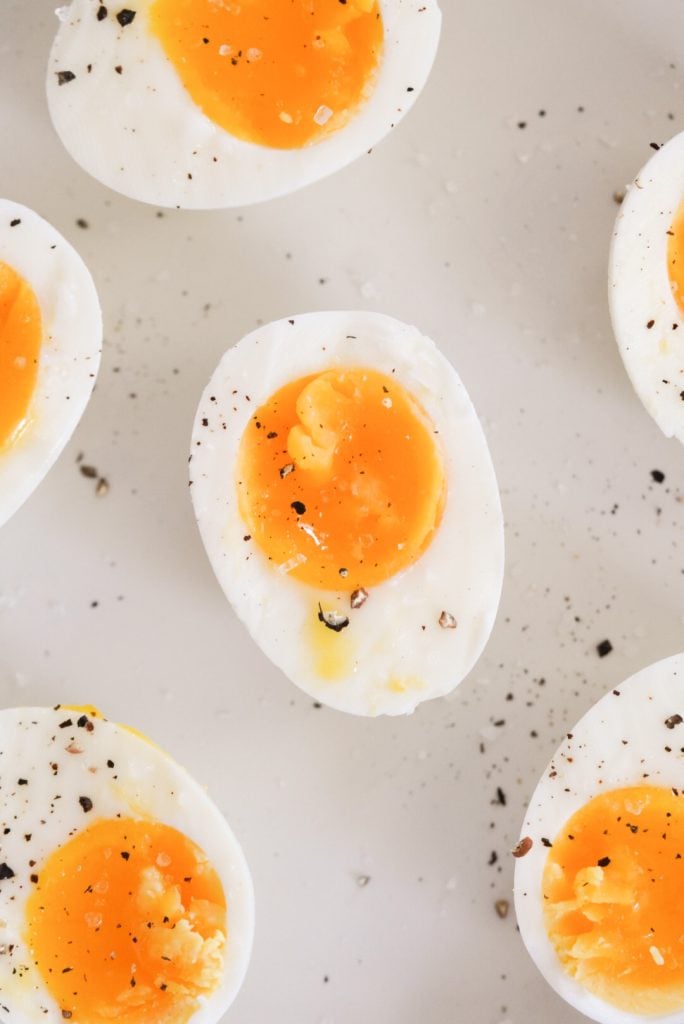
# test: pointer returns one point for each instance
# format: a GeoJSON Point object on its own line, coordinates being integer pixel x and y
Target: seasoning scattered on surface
{"type": "Point", "coordinates": [502, 907]}
{"type": "Point", "coordinates": [447, 621]}
{"type": "Point", "coordinates": [358, 597]}
{"type": "Point", "coordinates": [604, 648]}
{"type": "Point", "coordinates": [522, 848]}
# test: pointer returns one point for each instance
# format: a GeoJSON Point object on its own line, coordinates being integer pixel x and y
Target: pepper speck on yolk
{"type": "Point", "coordinates": [612, 889]}
{"type": "Point", "coordinates": [127, 922]}
{"type": "Point", "coordinates": [20, 340]}
{"type": "Point", "coordinates": [340, 480]}
{"type": "Point", "coordinates": [675, 257]}
{"type": "Point", "coordinates": [281, 73]}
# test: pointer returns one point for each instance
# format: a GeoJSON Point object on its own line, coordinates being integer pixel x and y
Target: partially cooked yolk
{"type": "Point", "coordinates": [612, 887]}
{"type": "Point", "coordinates": [675, 257]}
{"type": "Point", "coordinates": [127, 922]}
{"type": "Point", "coordinates": [20, 340]}
{"type": "Point", "coordinates": [281, 73]}
{"type": "Point", "coordinates": [340, 481]}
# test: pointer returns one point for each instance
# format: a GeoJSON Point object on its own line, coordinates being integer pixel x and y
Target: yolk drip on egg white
{"type": "Point", "coordinates": [20, 341]}
{"type": "Point", "coordinates": [127, 921]}
{"type": "Point", "coordinates": [281, 73]}
{"type": "Point", "coordinates": [675, 257]}
{"type": "Point", "coordinates": [612, 887]}
{"type": "Point", "coordinates": [340, 480]}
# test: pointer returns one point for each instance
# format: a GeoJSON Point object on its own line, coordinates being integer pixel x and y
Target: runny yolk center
{"type": "Point", "coordinates": [127, 922]}
{"type": "Point", "coordinates": [675, 257]}
{"type": "Point", "coordinates": [340, 480]}
{"type": "Point", "coordinates": [281, 73]}
{"type": "Point", "coordinates": [20, 340]}
{"type": "Point", "coordinates": [612, 891]}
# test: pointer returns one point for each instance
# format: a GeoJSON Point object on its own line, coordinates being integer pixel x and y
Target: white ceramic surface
{"type": "Point", "coordinates": [493, 239]}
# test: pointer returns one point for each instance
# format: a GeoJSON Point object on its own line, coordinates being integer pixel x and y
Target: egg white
{"type": "Point", "coordinates": [139, 132]}
{"type": "Point", "coordinates": [70, 350]}
{"type": "Point", "coordinates": [593, 759]}
{"type": "Point", "coordinates": [640, 292]}
{"type": "Point", "coordinates": [396, 634]}
{"type": "Point", "coordinates": [145, 782]}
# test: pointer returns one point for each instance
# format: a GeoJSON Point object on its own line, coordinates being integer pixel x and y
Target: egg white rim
{"type": "Point", "coordinates": [652, 695]}
{"type": "Point", "coordinates": [70, 350]}
{"type": "Point", "coordinates": [472, 594]}
{"type": "Point", "coordinates": [653, 355]}
{"type": "Point", "coordinates": [99, 110]}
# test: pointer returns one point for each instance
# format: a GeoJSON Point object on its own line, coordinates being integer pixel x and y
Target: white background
{"type": "Point", "coordinates": [493, 239]}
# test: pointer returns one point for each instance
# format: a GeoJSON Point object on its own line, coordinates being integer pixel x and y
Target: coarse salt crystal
{"type": "Point", "coordinates": [323, 115]}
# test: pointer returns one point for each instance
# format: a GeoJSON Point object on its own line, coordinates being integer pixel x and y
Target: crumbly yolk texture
{"type": "Point", "coordinates": [675, 257]}
{"type": "Point", "coordinates": [281, 73]}
{"type": "Point", "coordinates": [340, 479]}
{"type": "Point", "coordinates": [127, 922]}
{"type": "Point", "coordinates": [20, 341]}
{"type": "Point", "coordinates": [612, 887]}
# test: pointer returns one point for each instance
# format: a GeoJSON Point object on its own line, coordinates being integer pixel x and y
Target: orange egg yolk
{"type": "Point", "coordinates": [612, 887]}
{"type": "Point", "coordinates": [675, 257]}
{"type": "Point", "coordinates": [281, 73]}
{"type": "Point", "coordinates": [127, 922]}
{"type": "Point", "coordinates": [20, 340]}
{"type": "Point", "coordinates": [340, 481]}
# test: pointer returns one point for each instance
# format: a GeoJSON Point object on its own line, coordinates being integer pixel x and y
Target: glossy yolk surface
{"type": "Point", "coordinates": [340, 481]}
{"type": "Point", "coordinates": [281, 73]}
{"type": "Point", "coordinates": [675, 257]}
{"type": "Point", "coordinates": [612, 887]}
{"type": "Point", "coordinates": [127, 922]}
{"type": "Point", "coordinates": [20, 340]}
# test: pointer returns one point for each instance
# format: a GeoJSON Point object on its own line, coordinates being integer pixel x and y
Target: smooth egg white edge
{"type": "Point", "coordinates": [118, 126]}
{"type": "Point", "coordinates": [461, 571]}
{"type": "Point", "coordinates": [70, 350]}
{"type": "Point", "coordinates": [639, 288]}
{"type": "Point", "coordinates": [636, 710]}
{"type": "Point", "coordinates": [149, 784]}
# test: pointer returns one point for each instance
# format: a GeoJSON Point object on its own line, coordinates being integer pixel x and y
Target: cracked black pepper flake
{"type": "Point", "coordinates": [34, 879]}
{"type": "Point", "coordinates": [286, 470]}
{"type": "Point", "coordinates": [110, 764]}
{"type": "Point", "coordinates": [16, 222]}
{"type": "Point", "coordinates": [299, 507]}
{"type": "Point", "coordinates": [358, 597]}
{"type": "Point", "coordinates": [125, 17]}
{"type": "Point", "coordinates": [5, 872]}
{"type": "Point", "coordinates": [604, 648]}
{"type": "Point", "coordinates": [86, 803]}
{"type": "Point", "coordinates": [500, 796]}
{"type": "Point", "coordinates": [125, 855]}
{"type": "Point", "coordinates": [64, 76]}
{"type": "Point", "coordinates": [657, 475]}
{"type": "Point", "coordinates": [333, 620]}
{"type": "Point", "coordinates": [546, 842]}
{"type": "Point", "coordinates": [66, 724]}
{"type": "Point", "coordinates": [603, 862]}
{"type": "Point", "coordinates": [522, 848]}
{"type": "Point", "coordinates": [67, 1014]}
{"type": "Point", "coordinates": [101, 13]}
{"type": "Point", "coordinates": [22, 782]}
{"type": "Point", "coordinates": [88, 471]}
{"type": "Point", "coordinates": [673, 720]}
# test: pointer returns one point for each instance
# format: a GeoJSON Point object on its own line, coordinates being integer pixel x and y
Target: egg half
{"type": "Point", "coordinates": [347, 501]}
{"type": "Point", "coordinates": [646, 285]}
{"type": "Point", "coordinates": [600, 870]}
{"type": "Point", "coordinates": [208, 104]}
{"type": "Point", "coordinates": [50, 342]}
{"type": "Point", "coordinates": [123, 893]}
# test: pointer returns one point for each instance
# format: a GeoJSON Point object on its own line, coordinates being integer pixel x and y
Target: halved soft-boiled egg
{"type": "Point", "coordinates": [346, 498]}
{"type": "Point", "coordinates": [124, 896]}
{"type": "Point", "coordinates": [600, 870]}
{"type": "Point", "coordinates": [207, 104]}
{"type": "Point", "coordinates": [646, 285]}
{"type": "Point", "coordinates": [50, 342]}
